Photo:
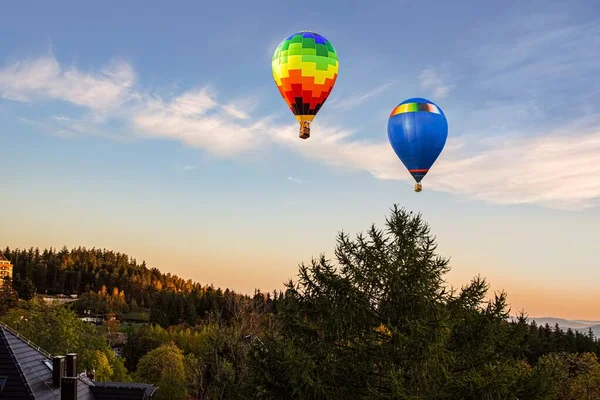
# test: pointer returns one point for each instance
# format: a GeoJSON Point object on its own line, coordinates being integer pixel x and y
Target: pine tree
{"type": "Point", "coordinates": [382, 323]}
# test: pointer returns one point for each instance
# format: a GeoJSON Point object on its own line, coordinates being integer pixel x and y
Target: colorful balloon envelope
{"type": "Point", "coordinates": [305, 68]}
{"type": "Point", "coordinates": [417, 130]}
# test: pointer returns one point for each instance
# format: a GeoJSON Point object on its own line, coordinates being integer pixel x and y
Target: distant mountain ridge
{"type": "Point", "coordinates": [576, 324]}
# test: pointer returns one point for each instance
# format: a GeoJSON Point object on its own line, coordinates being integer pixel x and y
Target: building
{"type": "Point", "coordinates": [28, 372]}
{"type": "Point", "coordinates": [6, 269]}
{"type": "Point", "coordinates": [58, 298]}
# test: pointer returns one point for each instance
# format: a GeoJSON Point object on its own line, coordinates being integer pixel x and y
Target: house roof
{"type": "Point", "coordinates": [28, 375]}
{"type": "Point", "coordinates": [123, 391]}
{"type": "Point", "coordinates": [34, 367]}
{"type": "Point", "coordinates": [2, 258]}
{"type": "Point", "coordinates": [13, 382]}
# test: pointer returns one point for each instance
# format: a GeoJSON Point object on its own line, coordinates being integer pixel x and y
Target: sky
{"type": "Point", "coordinates": [156, 129]}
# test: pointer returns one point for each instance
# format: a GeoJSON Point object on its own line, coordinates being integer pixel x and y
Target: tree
{"type": "Point", "coordinates": [382, 323]}
{"type": "Point", "coordinates": [98, 361]}
{"type": "Point", "coordinates": [194, 374]}
{"type": "Point", "coordinates": [57, 330]}
{"type": "Point", "coordinates": [25, 288]}
{"type": "Point", "coordinates": [140, 341]}
{"type": "Point", "coordinates": [571, 376]}
{"type": "Point", "coordinates": [8, 296]}
{"type": "Point", "coordinates": [164, 367]}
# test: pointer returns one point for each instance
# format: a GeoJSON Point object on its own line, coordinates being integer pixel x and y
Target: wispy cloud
{"type": "Point", "coordinates": [295, 180]}
{"type": "Point", "coordinates": [354, 101]}
{"type": "Point", "coordinates": [193, 118]}
{"type": "Point", "coordinates": [241, 108]}
{"type": "Point", "coordinates": [186, 167]}
{"type": "Point", "coordinates": [430, 79]}
{"type": "Point", "coordinates": [545, 60]}
{"type": "Point", "coordinates": [45, 78]}
{"type": "Point", "coordinates": [556, 168]}
{"type": "Point", "coordinates": [557, 171]}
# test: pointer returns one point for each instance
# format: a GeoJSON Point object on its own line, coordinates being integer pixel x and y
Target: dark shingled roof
{"type": "Point", "coordinates": [29, 361]}
{"type": "Point", "coordinates": [28, 372]}
{"type": "Point", "coordinates": [15, 386]}
{"type": "Point", "coordinates": [123, 391]}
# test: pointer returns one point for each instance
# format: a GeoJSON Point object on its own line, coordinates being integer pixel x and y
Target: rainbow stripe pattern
{"type": "Point", "coordinates": [414, 107]}
{"type": "Point", "coordinates": [305, 68]}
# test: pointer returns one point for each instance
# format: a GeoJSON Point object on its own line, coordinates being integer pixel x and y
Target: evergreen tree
{"type": "Point", "coordinates": [382, 323]}
{"type": "Point", "coordinates": [25, 287]}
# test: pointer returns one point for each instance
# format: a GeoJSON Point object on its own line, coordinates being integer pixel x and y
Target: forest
{"type": "Point", "coordinates": [377, 321]}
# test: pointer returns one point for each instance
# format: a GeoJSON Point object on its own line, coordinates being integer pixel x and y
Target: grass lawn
{"type": "Point", "coordinates": [137, 316]}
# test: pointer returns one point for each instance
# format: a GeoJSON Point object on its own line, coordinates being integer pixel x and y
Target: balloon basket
{"type": "Point", "coordinates": [304, 130]}
{"type": "Point", "coordinates": [418, 187]}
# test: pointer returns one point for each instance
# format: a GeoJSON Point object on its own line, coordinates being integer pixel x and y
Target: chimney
{"type": "Point", "coordinates": [71, 364]}
{"type": "Point", "coordinates": [69, 388]}
{"type": "Point", "coordinates": [58, 370]}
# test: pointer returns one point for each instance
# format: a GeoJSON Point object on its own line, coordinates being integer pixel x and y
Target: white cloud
{"type": "Point", "coordinates": [194, 117]}
{"type": "Point", "coordinates": [240, 108]}
{"type": "Point", "coordinates": [192, 103]}
{"type": "Point", "coordinates": [188, 118]}
{"type": "Point", "coordinates": [295, 180]}
{"type": "Point", "coordinates": [45, 78]}
{"type": "Point", "coordinates": [558, 169]}
{"type": "Point", "coordinates": [430, 79]}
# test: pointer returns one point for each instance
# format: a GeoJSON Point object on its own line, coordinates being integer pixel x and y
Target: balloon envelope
{"type": "Point", "coordinates": [417, 130]}
{"type": "Point", "coordinates": [305, 68]}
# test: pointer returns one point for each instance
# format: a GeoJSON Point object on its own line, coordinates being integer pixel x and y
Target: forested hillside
{"type": "Point", "coordinates": [108, 281]}
{"type": "Point", "coordinates": [80, 270]}
{"type": "Point", "coordinates": [378, 322]}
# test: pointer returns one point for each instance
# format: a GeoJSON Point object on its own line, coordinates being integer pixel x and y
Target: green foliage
{"type": "Point", "coordinates": [139, 342]}
{"type": "Point", "coordinates": [108, 281]}
{"type": "Point", "coordinates": [25, 288]}
{"type": "Point", "coordinates": [57, 330]}
{"type": "Point", "coordinates": [8, 296]}
{"type": "Point", "coordinates": [542, 340]}
{"type": "Point", "coordinates": [382, 323]}
{"type": "Point", "coordinates": [82, 270]}
{"type": "Point", "coordinates": [216, 355]}
{"type": "Point", "coordinates": [98, 361]}
{"type": "Point", "coordinates": [570, 376]}
{"type": "Point", "coordinates": [164, 367]}
{"type": "Point", "coordinates": [137, 316]}
{"type": "Point", "coordinates": [102, 301]}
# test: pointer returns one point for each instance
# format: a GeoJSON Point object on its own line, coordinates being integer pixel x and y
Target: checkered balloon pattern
{"type": "Point", "coordinates": [305, 68]}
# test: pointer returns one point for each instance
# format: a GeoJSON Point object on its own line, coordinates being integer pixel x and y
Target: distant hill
{"type": "Point", "coordinates": [579, 325]}
{"type": "Point", "coordinates": [80, 270]}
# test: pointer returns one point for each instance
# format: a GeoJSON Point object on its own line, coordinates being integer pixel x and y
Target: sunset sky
{"type": "Point", "coordinates": [156, 129]}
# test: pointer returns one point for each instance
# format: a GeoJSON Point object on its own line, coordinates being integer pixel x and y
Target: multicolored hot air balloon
{"type": "Point", "coordinates": [417, 130]}
{"type": "Point", "coordinates": [305, 68]}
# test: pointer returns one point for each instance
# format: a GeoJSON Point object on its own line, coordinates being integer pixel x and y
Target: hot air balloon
{"type": "Point", "coordinates": [417, 130]}
{"type": "Point", "coordinates": [305, 68]}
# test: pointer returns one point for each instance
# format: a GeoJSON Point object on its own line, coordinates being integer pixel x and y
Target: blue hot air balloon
{"type": "Point", "coordinates": [417, 130]}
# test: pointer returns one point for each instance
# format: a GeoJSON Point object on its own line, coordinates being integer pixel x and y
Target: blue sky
{"type": "Point", "coordinates": [155, 128]}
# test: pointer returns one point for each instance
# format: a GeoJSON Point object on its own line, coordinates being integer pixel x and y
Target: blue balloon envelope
{"type": "Point", "coordinates": [417, 130]}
